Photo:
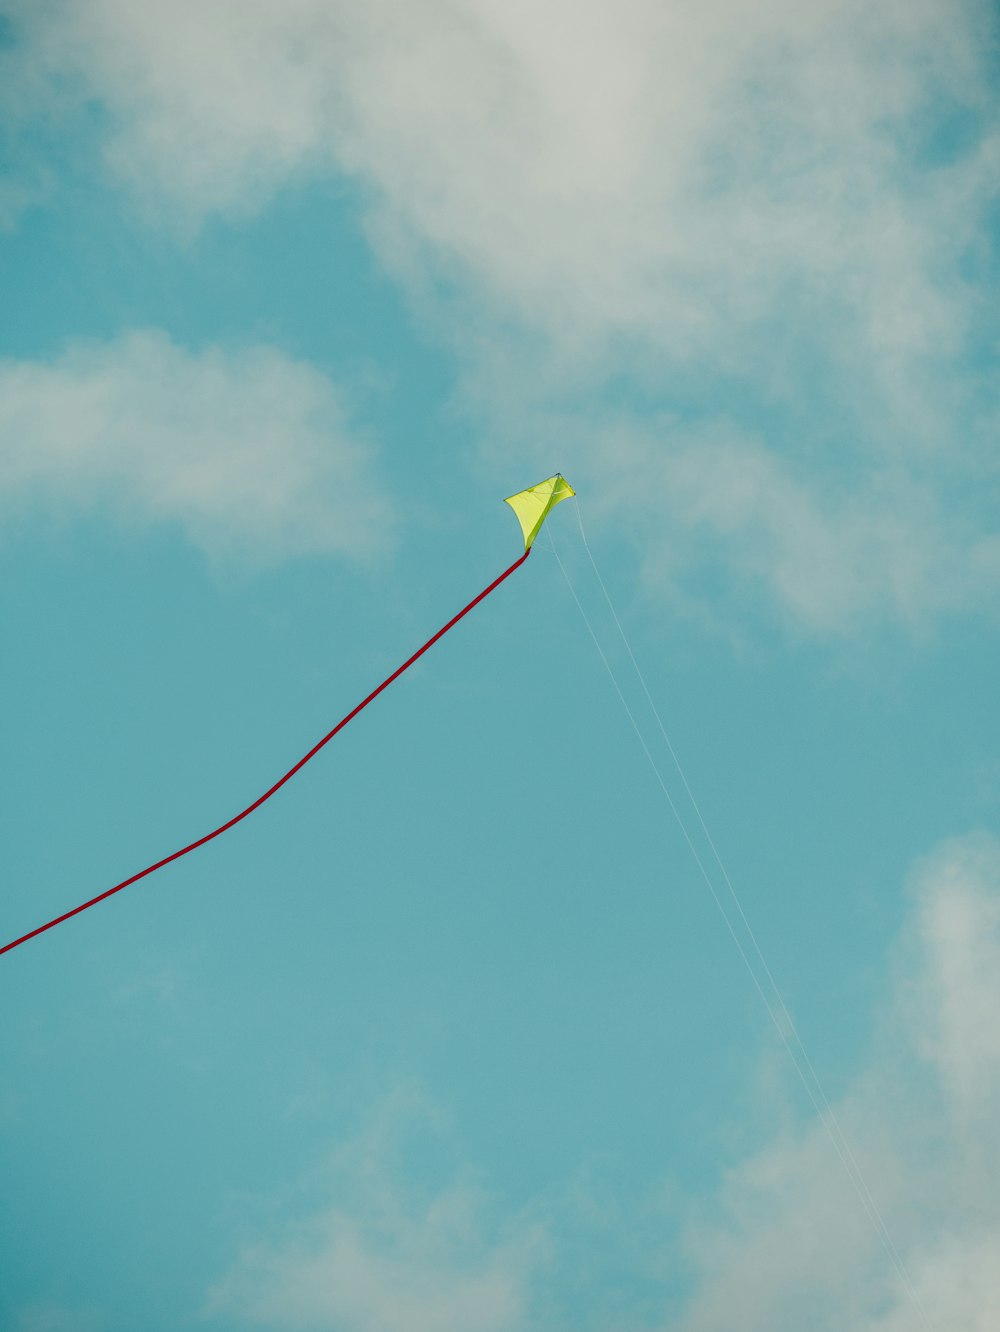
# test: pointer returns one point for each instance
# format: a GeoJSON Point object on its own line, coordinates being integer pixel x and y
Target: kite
{"type": "Point", "coordinates": [532, 507]}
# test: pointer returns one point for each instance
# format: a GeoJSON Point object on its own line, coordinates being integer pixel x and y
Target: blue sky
{"type": "Point", "coordinates": [451, 1035]}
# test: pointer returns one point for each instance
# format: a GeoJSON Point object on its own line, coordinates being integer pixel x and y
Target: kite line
{"type": "Point", "coordinates": [776, 1007]}
{"type": "Point", "coordinates": [238, 818]}
{"type": "Point", "coordinates": [531, 507]}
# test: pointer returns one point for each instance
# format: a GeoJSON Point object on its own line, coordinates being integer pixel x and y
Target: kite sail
{"type": "Point", "coordinates": [534, 505]}
{"type": "Point", "coordinates": [531, 506]}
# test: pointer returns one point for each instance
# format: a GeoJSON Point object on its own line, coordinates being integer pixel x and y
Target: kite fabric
{"type": "Point", "coordinates": [546, 505]}
{"type": "Point", "coordinates": [534, 505]}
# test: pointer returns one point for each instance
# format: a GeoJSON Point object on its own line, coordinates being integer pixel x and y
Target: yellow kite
{"type": "Point", "coordinates": [534, 505]}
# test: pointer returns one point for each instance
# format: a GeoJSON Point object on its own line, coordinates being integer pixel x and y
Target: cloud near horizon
{"type": "Point", "coordinates": [246, 451]}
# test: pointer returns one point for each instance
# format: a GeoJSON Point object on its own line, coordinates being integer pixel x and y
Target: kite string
{"type": "Point", "coordinates": [237, 818]}
{"type": "Point", "coordinates": [846, 1158]}
{"type": "Point", "coordinates": [751, 934]}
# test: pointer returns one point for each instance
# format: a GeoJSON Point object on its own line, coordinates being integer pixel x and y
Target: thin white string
{"type": "Point", "coordinates": [837, 1139]}
{"type": "Point", "coordinates": [732, 891]}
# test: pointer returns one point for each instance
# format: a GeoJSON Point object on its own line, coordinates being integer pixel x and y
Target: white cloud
{"type": "Point", "coordinates": [787, 1244]}
{"type": "Point", "coordinates": [638, 168]}
{"type": "Point", "coordinates": [782, 207]}
{"type": "Point", "coordinates": [957, 999]}
{"type": "Point", "coordinates": [834, 548]}
{"type": "Point", "coordinates": [247, 451]}
{"type": "Point", "coordinates": [384, 1258]}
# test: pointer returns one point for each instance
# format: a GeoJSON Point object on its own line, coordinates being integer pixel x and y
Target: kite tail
{"type": "Point", "coordinates": [193, 846]}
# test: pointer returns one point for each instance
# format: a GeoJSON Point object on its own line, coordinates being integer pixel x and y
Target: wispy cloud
{"type": "Point", "coordinates": [385, 1256]}
{"type": "Point", "coordinates": [54, 1317]}
{"type": "Point", "coordinates": [246, 451]}
{"type": "Point", "coordinates": [835, 549]}
{"type": "Point", "coordinates": [20, 190]}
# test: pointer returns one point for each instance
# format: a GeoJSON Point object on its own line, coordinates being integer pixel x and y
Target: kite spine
{"type": "Point", "coordinates": [238, 818]}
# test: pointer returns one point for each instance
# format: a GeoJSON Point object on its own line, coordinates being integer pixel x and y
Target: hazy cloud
{"type": "Point", "coordinates": [54, 1317]}
{"type": "Point", "coordinates": [838, 548]}
{"type": "Point", "coordinates": [245, 450]}
{"type": "Point", "coordinates": [386, 1257]}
